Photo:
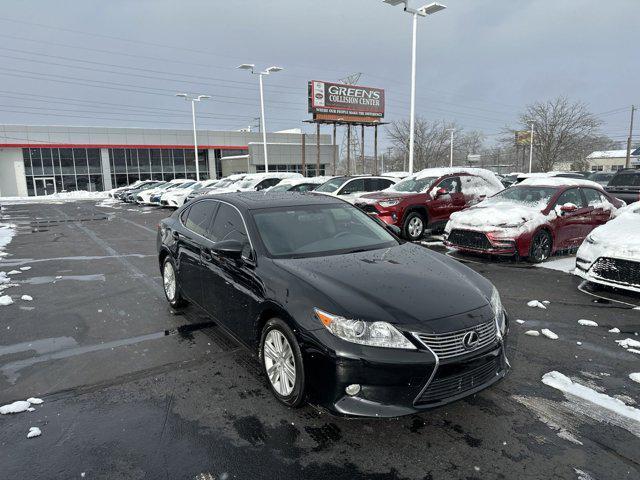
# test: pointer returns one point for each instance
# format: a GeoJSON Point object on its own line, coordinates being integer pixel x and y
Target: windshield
{"type": "Point", "coordinates": [248, 183]}
{"type": "Point", "coordinates": [225, 183]}
{"type": "Point", "coordinates": [415, 185]}
{"type": "Point", "coordinates": [332, 185]}
{"type": "Point", "coordinates": [185, 184]}
{"type": "Point", "coordinates": [148, 186]}
{"type": "Point", "coordinates": [315, 230]}
{"type": "Point", "coordinates": [531, 196]}
{"type": "Point", "coordinates": [281, 188]}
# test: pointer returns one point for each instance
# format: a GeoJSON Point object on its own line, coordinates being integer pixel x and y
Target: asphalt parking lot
{"type": "Point", "coordinates": [133, 390]}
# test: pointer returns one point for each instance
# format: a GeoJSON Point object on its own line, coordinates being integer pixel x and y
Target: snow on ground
{"type": "Point", "coordinates": [34, 432]}
{"type": "Point", "coordinates": [520, 321]}
{"type": "Point", "coordinates": [570, 388]}
{"type": "Point", "coordinates": [629, 344]}
{"type": "Point", "coordinates": [15, 407]}
{"type": "Point", "coordinates": [7, 231]}
{"type": "Point", "coordinates": [26, 298]}
{"type": "Point", "coordinates": [24, 269]}
{"type": "Point", "coordinates": [566, 265]}
{"type": "Point", "coordinates": [35, 400]}
{"type": "Point", "coordinates": [587, 323]}
{"type": "Point", "coordinates": [5, 300]}
{"type": "Point", "coordinates": [532, 333]}
{"type": "Point", "coordinates": [14, 272]}
{"type": "Point", "coordinates": [56, 197]}
{"type": "Point", "coordinates": [536, 303]}
{"type": "Point", "coordinates": [549, 334]}
{"type": "Point", "coordinates": [635, 377]}
{"type": "Point", "coordinates": [614, 330]}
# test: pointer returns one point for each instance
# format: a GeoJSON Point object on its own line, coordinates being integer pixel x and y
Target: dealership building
{"type": "Point", "coordinates": [40, 160]}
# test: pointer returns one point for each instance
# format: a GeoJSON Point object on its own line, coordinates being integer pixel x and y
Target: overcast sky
{"type": "Point", "coordinates": [119, 62]}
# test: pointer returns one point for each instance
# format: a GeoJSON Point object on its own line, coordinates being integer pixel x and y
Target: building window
{"type": "Point", "coordinates": [296, 168]}
{"type": "Point", "coordinates": [49, 170]}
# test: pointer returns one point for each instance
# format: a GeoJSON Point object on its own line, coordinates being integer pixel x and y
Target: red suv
{"type": "Point", "coordinates": [533, 219]}
{"type": "Point", "coordinates": [429, 197]}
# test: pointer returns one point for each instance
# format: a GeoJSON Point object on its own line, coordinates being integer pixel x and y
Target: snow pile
{"type": "Point", "coordinates": [587, 323]}
{"type": "Point", "coordinates": [24, 269]}
{"type": "Point", "coordinates": [630, 345]}
{"type": "Point", "coordinates": [15, 407]}
{"type": "Point", "coordinates": [7, 231]}
{"type": "Point", "coordinates": [635, 377]}
{"type": "Point", "coordinates": [5, 300]}
{"type": "Point", "coordinates": [26, 298]}
{"type": "Point", "coordinates": [568, 387]}
{"type": "Point", "coordinates": [614, 330]}
{"type": "Point", "coordinates": [35, 400]}
{"type": "Point", "coordinates": [62, 196]}
{"type": "Point", "coordinates": [34, 432]}
{"type": "Point", "coordinates": [532, 333]}
{"type": "Point", "coordinates": [549, 334]}
{"type": "Point", "coordinates": [536, 303]}
{"type": "Point", "coordinates": [520, 321]}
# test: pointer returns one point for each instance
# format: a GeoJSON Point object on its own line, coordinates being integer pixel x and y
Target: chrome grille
{"type": "Point", "coordinates": [447, 345]}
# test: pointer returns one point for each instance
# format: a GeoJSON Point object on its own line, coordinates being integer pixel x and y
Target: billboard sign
{"type": "Point", "coordinates": [523, 137]}
{"type": "Point", "coordinates": [338, 101]}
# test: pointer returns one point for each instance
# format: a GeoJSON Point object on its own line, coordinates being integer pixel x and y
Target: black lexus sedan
{"type": "Point", "coordinates": [339, 310]}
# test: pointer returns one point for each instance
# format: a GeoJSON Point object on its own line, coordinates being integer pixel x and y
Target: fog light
{"type": "Point", "coordinates": [352, 389]}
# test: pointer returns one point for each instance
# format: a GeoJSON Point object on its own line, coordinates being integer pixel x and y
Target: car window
{"type": "Point", "coordinates": [198, 217]}
{"type": "Point", "coordinates": [570, 196]}
{"type": "Point", "coordinates": [450, 184]}
{"type": "Point", "coordinates": [382, 183]}
{"type": "Point", "coordinates": [332, 185]}
{"type": "Point", "coordinates": [473, 185]}
{"type": "Point", "coordinates": [593, 197]}
{"type": "Point", "coordinates": [228, 225]}
{"type": "Point", "coordinates": [302, 187]}
{"type": "Point", "coordinates": [269, 182]}
{"type": "Point", "coordinates": [355, 185]}
{"type": "Point", "coordinates": [630, 179]}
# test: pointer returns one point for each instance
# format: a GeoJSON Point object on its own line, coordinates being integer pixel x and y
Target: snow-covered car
{"type": "Point", "coordinates": [221, 184]}
{"type": "Point", "coordinates": [114, 193]}
{"type": "Point", "coordinates": [144, 198]}
{"type": "Point", "coordinates": [351, 188]}
{"type": "Point", "coordinates": [559, 173]}
{"type": "Point", "coordinates": [533, 219]}
{"type": "Point", "coordinates": [305, 184]}
{"type": "Point", "coordinates": [610, 255]}
{"type": "Point", "coordinates": [257, 181]}
{"type": "Point", "coordinates": [176, 197]}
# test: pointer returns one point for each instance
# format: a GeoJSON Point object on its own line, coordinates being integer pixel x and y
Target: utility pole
{"type": "Point", "coordinates": [629, 140]}
{"type": "Point", "coordinates": [531, 149]}
{"type": "Point", "coordinates": [451, 146]}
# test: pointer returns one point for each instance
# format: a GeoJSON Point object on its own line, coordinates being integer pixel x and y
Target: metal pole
{"type": "Point", "coordinates": [304, 155]}
{"type": "Point", "coordinates": [413, 93]}
{"type": "Point", "coordinates": [451, 154]}
{"type": "Point", "coordinates": [629, 140]}
{"type": "Point", "coordinates": [317, 149]}
{"type": "Point", "coordinates": [348, 148]}
{"type": "Point", "coordinates": [263, 127]}
{"type": "Point", "coordinates": [335, 153]}
{"type": "Point", "coordinates": [531, 150]}
{"type": "Point", "coordinates": [195, 137]}
{"type": "Point", "coordinates": [362, 147]}
{"type": "Point", "coordinates": [375, 149]}
{"type": "Point", "coordinates": [382, 166]}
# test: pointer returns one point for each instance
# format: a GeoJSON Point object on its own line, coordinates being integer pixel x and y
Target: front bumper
{"type": "Point", "coordinates": [396, 382]}
{"type": "Point", "coordinates": [585, 269]}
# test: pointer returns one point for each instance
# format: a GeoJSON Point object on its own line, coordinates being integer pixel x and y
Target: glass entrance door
{"type": "Point", "coordinates": [44, 186]}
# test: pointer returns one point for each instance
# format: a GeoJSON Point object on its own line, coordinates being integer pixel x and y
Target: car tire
{"type": "Point", "coordinates": [170, 284]}
{"type": "Point", "coordinates": [280, 353]}
{"type": "Point", "coordinates": [541, 247]}
{"type": "Point", "coordinates": [413, 226]}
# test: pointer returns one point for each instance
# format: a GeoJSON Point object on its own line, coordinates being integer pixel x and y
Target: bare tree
{"type": "Point", "coordinates": [561, 129]}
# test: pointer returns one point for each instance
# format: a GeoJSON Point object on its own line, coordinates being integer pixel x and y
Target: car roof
{"type": "Point", "coordinates": [267, 199]}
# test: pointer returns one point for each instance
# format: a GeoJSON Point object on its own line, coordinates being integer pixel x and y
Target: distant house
{"type": "Point", "coordinates": [612, 160]}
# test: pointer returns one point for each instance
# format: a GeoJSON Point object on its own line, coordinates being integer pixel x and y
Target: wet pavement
{"type": "Point", "coordinates": [133, 390]}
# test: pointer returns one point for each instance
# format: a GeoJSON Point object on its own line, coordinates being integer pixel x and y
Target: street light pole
{"type": "Point", "coordinates": [531, 149]}
{"type": "Point", "coordinates": [415, 12]}
{"type": "Point", "coordinates": [451, 148]}
{"type": "Point", "coordinates": [263, 126]}
{"type": "Point", "coordinates": [194, 99]}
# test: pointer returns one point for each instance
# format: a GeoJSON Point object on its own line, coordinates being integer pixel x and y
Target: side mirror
{"type": "Point", "coordinates": [568, 208]}
{"type": "Point", "coordinates": [440, 192]}
{"type": "Point", "coordinates": [393, 229]}
{"type": "Point", "coordinates": [229, 248]}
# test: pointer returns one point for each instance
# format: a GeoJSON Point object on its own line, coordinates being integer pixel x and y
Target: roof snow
{"type": "Point", "coordinates": [608, 154]}
{"type": "Point", "coordinates": [560, 182]}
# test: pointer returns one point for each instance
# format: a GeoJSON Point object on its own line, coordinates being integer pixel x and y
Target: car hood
{"type": "Point", "coordinates": [618, 238]}
{"type": "Point", "coordinates": [406, 285]}
{"type": "Point", "coordinates": [487, 217]}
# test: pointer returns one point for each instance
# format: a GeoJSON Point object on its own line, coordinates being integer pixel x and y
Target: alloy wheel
{"type": "Point", "coordinates": [415, 227]}
{"type": "Point", "coordinates": [279, 362]}
{"type": "Point", "coordinates": [169, 281]}
{"type": "Point", "coordinates": [541, 247]}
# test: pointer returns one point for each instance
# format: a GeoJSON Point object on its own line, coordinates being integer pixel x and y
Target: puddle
{"type": "Point", "coordinates": [44, 345]}
{"type": "Point", "coordinates": [99, 277]}
{"type": "Point", "coordinates": [22, 261]}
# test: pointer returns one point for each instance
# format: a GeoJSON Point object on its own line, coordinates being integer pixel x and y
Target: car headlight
{"type": "Point", "coordinates": [374, 334]}
{"type": "Point", "coordinates": [390, 202]}
{"type": "Point", "coordinates": [498, 312]}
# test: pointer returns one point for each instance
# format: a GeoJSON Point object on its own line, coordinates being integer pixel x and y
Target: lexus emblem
{"type": "Point", "coordinates": [470, 339]}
